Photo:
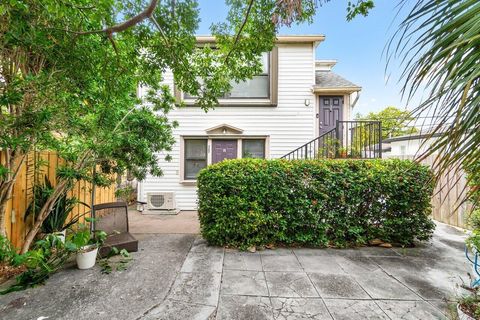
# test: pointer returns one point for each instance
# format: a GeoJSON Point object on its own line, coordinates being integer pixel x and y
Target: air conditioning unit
{"type": "Point", "coordinates": [161, 203]}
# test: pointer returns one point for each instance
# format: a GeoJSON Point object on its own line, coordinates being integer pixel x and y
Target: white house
{"type": "Point", "coordinates": [409, 146]}
{"type": "Point", "coordinates": [295, 99]}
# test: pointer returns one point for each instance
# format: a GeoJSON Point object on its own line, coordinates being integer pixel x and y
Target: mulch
{"type": "Point", "coordinates": [8, 271]}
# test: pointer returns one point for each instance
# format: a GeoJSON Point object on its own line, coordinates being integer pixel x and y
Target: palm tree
{"type": "Point", "coordinates": [439, 44]}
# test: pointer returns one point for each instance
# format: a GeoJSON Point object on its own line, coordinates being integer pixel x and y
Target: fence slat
{"type": "Point", "coordinates": [17, 228]}
{"type": "Point", "coordinates": [447, 201]}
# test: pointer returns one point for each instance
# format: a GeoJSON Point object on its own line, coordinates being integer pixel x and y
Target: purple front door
{"type": "Point", "coordinates": [329, 112]}
{"type": "Point", "coordinates": [223, 149]}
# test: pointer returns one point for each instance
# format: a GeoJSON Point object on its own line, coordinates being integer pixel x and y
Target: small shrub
{"type": "Point", "coordinates": [252, 202]}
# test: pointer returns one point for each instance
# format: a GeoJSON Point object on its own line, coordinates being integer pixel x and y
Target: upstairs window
{"type": "Point", "coordinates": [256, 88]}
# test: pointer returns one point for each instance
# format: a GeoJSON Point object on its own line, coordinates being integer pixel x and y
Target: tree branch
{"type": "Point", "coordinates": [239, 33]}
{"type": "Point", "coordinates": [145, 14]}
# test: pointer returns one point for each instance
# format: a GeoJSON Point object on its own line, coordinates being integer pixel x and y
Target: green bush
{"type": "Point", "coordinates": [251, 202]}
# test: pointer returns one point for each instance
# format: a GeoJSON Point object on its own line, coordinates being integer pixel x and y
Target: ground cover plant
{"type": "Point", "coordinates": [252, 202]}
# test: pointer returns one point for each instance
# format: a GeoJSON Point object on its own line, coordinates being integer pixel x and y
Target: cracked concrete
{"type": "Point", "coordinates": [181, 277]}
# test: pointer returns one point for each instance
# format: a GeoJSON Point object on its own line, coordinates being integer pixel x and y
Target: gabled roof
{"type": "Point", "coordinates": [224, 129]}
{"type": "Point", "coordinates": [329, 81]}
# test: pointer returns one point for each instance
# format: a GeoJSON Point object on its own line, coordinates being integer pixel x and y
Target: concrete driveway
{"type": "Point", "coordinates": [180, 277]}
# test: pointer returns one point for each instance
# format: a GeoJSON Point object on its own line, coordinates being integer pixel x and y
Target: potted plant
{"type": "Point", "coordinates": [342, 152]}
{"type": "Point", "coordinates": [87, 244]}
{"type": "Point", "coordinates": [57, 221]}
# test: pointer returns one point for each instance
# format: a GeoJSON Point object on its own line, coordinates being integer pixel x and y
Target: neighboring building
{"type": "Point", "coordinates": [294, 100]}
{"type": "Point", "coordinates": [408, 146]}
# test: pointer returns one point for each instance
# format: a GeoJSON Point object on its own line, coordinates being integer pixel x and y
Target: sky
{"type": "Point", "coordinates": [357, 45]}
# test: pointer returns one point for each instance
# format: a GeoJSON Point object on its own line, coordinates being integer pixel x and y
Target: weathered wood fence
{"type": "Point", "coordinates": [447, 202]}
{"type": "Point", "coordinates": [37, 166]}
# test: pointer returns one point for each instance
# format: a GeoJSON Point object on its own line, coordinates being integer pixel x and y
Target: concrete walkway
{"type": "Point", "coordinates": [180, 277]}
{"type": "Point", "coordinates": [364, 283]}
{"type": "Point", "coordinates": [185, 222]}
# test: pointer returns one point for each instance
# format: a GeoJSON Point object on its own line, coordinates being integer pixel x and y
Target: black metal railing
{"type": "Point", "coordinates": [349, 139]}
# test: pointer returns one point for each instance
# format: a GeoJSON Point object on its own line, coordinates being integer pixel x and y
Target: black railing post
{"type": "Point", "coordinates": [337, 138]}
{"type": "Point", "coordinates": [380, 139]}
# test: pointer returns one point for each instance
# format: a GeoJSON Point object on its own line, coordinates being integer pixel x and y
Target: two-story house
{"type": "Point", "coordinates": [294, 100]}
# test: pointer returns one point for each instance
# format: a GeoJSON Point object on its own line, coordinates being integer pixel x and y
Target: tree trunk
{"type": "Point", "coordinates": [59, 190]}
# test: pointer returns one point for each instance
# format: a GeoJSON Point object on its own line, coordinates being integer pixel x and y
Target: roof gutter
{"type": "Point", "coordinates": [336, 89]}
{"type": "Point", "coordinates": [279, 39]}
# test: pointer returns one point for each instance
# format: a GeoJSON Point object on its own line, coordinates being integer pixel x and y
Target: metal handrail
{"type": "Point", "coordinates": [304, 147]}
{"type": "Point", "coordinates": [361, 139]}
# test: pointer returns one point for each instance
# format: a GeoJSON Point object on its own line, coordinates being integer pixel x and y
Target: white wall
{"type": "Point", "coordinates": [413, 147]}
{"type": "Point", "coordinates": [289, 125]}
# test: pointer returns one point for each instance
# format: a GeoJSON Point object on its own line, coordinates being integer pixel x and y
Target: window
{"type": "Point", "coordinates": [253, 148]}
{"type": "Point", "coordinates": [256, 88]}
{"type": "Point", "coordinates": [195, 157]}
{"type": "Point", "coordinates": [200, 151]}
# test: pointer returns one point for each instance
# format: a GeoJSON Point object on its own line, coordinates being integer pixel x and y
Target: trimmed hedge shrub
{"type": "Point", "coordinates": [251, 202]}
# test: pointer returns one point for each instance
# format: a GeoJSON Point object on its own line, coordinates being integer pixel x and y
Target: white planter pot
{"type": "Point", "coordinates": [86, 260]}
{"type": "Point", "coordinates": [462, 315]}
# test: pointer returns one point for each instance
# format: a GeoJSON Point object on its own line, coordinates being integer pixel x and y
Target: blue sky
{"type": "Point", "coordinates": [357, 45]}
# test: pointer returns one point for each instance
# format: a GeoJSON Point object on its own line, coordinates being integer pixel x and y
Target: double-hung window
{"type": "Point", "coordinates": [256, 88]}
{"type": "Point", "coordinates": [195, 157]}
{"type": "Point", "coordinates": [253, 148]}
{"type": "Point", "coordinates": [261, 89]}
{"type": "Point", "coordinates": [196, 154]}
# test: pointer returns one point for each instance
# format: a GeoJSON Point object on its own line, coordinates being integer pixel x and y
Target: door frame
{"type": "Point", "coordinates": [236, 141]}
{"type": "Point", "coordinates": [345, 114]}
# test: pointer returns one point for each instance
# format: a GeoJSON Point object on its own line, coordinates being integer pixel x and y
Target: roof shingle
{"type": "Point", "coordinates": [329, 79]}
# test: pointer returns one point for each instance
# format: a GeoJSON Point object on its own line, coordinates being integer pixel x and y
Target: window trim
{"type": "Point", "coordinates": [264, 147]}
{"type": "Point", "coordinates": [209, 138]}
{"type": "Point", "coordinates": [272, 99]}
{"type": "Point", "coordinates": [184, 157]}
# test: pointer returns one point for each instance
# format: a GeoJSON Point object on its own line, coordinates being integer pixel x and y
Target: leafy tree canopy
{"type": "Point", "coordinates": [395, 122]}
{"type": "Point", "coordinates": [69, 73]}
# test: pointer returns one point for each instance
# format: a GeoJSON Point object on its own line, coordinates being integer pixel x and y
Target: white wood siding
{"type": "Point", "coordinates": [289, 125]}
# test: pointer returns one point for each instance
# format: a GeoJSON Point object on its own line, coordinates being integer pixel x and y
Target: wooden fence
{"type": "Point", "coordinates": [37, 166]}
{"type": "Point", "coordinates": [447, 202]}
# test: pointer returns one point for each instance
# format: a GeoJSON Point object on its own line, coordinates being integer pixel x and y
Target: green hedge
{"type": "Point", "coordinates": [252, 202]}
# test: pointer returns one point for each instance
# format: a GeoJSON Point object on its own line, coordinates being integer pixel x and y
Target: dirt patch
{"type": "Point", "coordinates": [469, 309]}
{"type": "Point", "coordinates": [7, 271]}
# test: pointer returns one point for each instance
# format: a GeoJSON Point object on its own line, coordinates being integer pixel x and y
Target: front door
{"type": "Point", "coordinates": [330, 110]}
{"type": "Point", "coordinates": [224, 149]}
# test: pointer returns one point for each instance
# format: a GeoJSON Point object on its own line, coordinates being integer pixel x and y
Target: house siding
{"type": "Point", "coordinates": [288, 125]}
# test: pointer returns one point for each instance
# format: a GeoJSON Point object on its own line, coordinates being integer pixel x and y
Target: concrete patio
{"type": "Point", "coordinates": [180, 277]}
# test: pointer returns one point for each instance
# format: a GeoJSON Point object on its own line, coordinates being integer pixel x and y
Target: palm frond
{"type": "Point", "coordinates": [439, 45]}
